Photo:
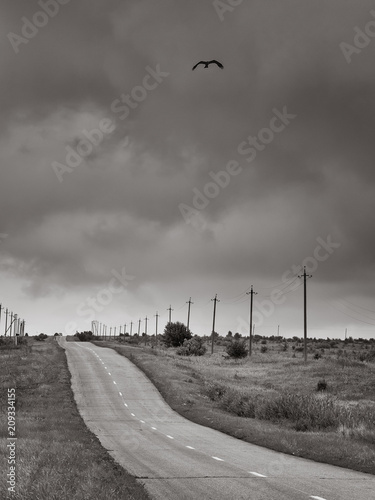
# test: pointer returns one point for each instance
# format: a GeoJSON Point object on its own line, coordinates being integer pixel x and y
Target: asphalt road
{"type": "Point", "coordinates": [179, 460]}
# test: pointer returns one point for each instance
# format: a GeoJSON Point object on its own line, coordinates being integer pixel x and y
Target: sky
{"type": "Point", "coordinates": [130, 183]}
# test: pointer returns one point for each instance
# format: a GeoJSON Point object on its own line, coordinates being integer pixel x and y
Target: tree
{"type": "Point", "coordinates": [175, 334]}
{"type": "Point", "coordinates": [84, 336]}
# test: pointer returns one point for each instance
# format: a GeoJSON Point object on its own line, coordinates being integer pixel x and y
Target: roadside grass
{"type": "Point", "coordinates": [272, 400]}
{"type": "Point", "coordinates": [57, 457]}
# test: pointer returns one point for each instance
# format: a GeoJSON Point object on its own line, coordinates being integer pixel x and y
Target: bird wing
{"type": "Point", "coordinates": [200, 62]}
{"type": "Point", "coordinates": [216, 62]}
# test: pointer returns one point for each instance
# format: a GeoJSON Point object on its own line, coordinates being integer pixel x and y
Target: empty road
{"type": "Point", "coordinates": [179, 460]}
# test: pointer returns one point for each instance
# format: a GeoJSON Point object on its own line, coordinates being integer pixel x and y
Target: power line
{"type": "Point", "coordinates": [349, 316]}
{"type": "Point", "coordinates": [355, 305]}
{"type": "Point", "coordinates": [362, 314]}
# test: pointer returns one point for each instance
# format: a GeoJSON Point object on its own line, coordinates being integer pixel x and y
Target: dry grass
{"type": "Point", "coordinates": [272, 400]}
{"type": "Point", "coordinates": [58, 458]}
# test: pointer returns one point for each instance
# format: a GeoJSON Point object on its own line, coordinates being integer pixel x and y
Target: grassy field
{"type": "Point", "coordinates": [57, 457]}
{"type": "Point", "coordinates": [273, 399]}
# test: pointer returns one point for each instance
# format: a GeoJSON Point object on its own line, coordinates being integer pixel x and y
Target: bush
{"type": "Point", "coordinates": [237, 349]}
{"type": "Point", "coordinates": [175, 334]}
{"type": "Point", "coordinates": [41, 336]}
{"type": "Point", "coordinates": [192, 347]}
{"type": "Point", "coordinates": [263, 349]}
{"type": "Point", "coordinates": [317, 355]}
{"type": "Point", "coordinates": [322, 385]}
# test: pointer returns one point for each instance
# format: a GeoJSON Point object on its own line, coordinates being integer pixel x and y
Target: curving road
{"type": "Point", "coordinates": [179, 460]}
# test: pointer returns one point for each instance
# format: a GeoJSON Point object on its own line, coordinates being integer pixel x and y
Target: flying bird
{"type": "Point", "coordinates": [207, 63]}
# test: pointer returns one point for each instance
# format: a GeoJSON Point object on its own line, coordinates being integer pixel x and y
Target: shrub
{"type": "Point", "coordinates": [41, 336]}
{"type": "Point", "coordinates": [192, 347]}
{"type": "Point", "coordinates": [263, 349]}
{"type": "Point", "coordinates": [321, 385]}
{"type": "Point", "coordinates": [306, 412]}
{"type": "Point", "coordinates": [215, 390]}
{"type": "Point", "coordinates": [237, 349]}
{"type": "Point", "coordinates": [175, 334]}
{"type": "Point", "coordinates": [317, 355]}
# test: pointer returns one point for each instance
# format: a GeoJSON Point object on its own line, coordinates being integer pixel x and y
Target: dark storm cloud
{"type": "Point", "coordinates": [276, 55]}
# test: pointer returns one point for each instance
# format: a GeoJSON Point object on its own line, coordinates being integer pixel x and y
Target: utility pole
{"type": "Point", "coordinates": [213, 323]}
{"type": "Point", "coordinates": [131, 328]}
{"type": "Point", "coordinates": [156, 326]}
{"type": "Point", "coordinates": [6, 322]}
{"type": "Point", "coordinates": [124, 328]}
{"type": "Point", "coordinates": [170, 313]}
{"type": "Point", "coordinates": [114, 334]}
{"type": "Point", "coordinates": [188, 318]}
{"type": "Point", "coordinates": [305, 277]}
{"type": "Point", "coordinates": [110, 332]}
{"type": "Point", "coordinates": [10, 324]}
{"type": "Point", "coordinates": [139, 326]}
{"type": "Point", "coordinates": [251, 293]}
{"type": "Point", "coordinates": [146, 319]}
{"type": "Point", "coordinates": [15, 329]}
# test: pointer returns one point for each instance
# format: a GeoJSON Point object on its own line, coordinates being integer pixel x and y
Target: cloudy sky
{"type": "Point", "coordinates": [130, 183]}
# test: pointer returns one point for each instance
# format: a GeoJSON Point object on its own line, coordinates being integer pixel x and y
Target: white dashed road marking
{"type": "Point", "coordinates": [217, 458]}
{"type": "Point", "coordinates": [190, 447]}
{"type": "Point", "coordinates": [257, 474]}
{"type": "Point", "coordinates": [170, 437]}
{"type": "Point", "coordinates": [318, 498]}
